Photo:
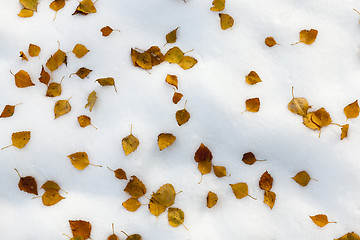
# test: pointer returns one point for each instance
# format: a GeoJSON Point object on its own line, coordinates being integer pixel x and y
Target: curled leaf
{"type": "Point", "coordinates": [44, 76]}
{"type": "Point", "coordinates": [109, 81]}
{"type": "Point", "coordinates": [177, 97]}
{"type": "Point", "coordinates": [172, 80]}
{"type": "Point", "coordinates": [218, 5]}
{"type": "Point", "coordinates": [211, 199]}
{"type": "Point", "coordinates": [252, 78]}
{"type": "Point", "coordinates": [226, 21]}
{"type": "Point", "coordinates": [91, 100]}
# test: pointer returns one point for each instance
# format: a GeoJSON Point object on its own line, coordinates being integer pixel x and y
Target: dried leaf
{"type": "Point", "coordinates": [174, 55]}
{"type": "Point", "coordinates": [109, 81]}
{"type": "Point", "coordinates": [54, 90]}
{"type": "Point", "coordinates": [175, 217]}
{"type": "Point", "coordinates": [240, 190]}
{"type": "Point", "coordinates": [211, 199]}
{"type": "Point", "coordinates": [56, 60]}
{"type": "Point", "coordinates": [85, 7]}
{"type": "Point", "coordinates": [165, 140]}
{"type": "Point", "coordinates": [26, 13]}
{"type": "Point", "coordinates": [51, 185]}
{"type": "Point", "coordinates": [134, 55]}
{"type": "Point", "coordinates": [44, 76]}
{"type": "Point", "coordinates": [34, 50]}
{"type": "Point", "coordinates": [172, 80]}
{"type": "Point", "coordinates": [249, 158]}
{"type": "Point", "coordinates": [302, 178]}
{"type": "Point", "coordinates": [298, 106]}
{"type": "Point", "coordinates": [106, 31]}
{"type": "Point", "coordinates": [83, 72]}
{"type": "Point", "coordinates": [132, 204]}
{"type": "Point", "coordinates": [220, 171]}
{"type": "Point", "coordinates": [266, 181]}
{"type": "Point", "coordinates": [349, 236]}
{"type": "Point", "coordinates": [321, 220]}
{"type": "Point", "coordinates": [205, 167]}
{"type": "Point", "coordinates": [79, 160]}
{"type": "Point", "coordinates": [308, 121]}
{"type": "Point", "coordinates": [171, 36]}
{"type": "Point", "coordinates": [182, 116]}
{"type": "Point", "coordinates": [8, 111]}
{"type": "Point", "coordinates": [252, 105]}
{"type": "Point", "coordinates": [135, 187]}
{"type": "Point", "coordinates": [270, 42]}
{"type": "Point", "coordinates": [80, 228]}
{"type": "Point", "coordinates": [61, 107]}
{"type": "Point", "coordinates": [120, 174]}
{"type": "Point", "coordinates": [226, 21]}
{"type": "Point", "coordinates": [187, 62]}
{"type": "Point", "coordinates": [22, 79]}
{"type": "Point", "coordinates": [308, 36]}
{"type": "Point", "coordinates": [144, 60]}
{"type": "Point", "coordinates": [23, 56]}
{"type": "Point", "coordinates": [156, 208]}
{"type": "Point", "coordinates": [218, 5]}
{"type": "Point", "coordinates": [84, 121]}
{"type": "Point", "coordinates": [156, 56]}
{"type": "Point", "coordinates": [91, 100]}
{"type": "Point", "coordinates": [19, 139]}
{"type": "Point", "coordinates": [177, 97]}
{"type": "Point", "coordinates": [51, 197]}
{"type": "Point", "coordinates": [80, 50]}
{"type": "Point", "coordinates": [203, 154]}
{"type": "Point", "coordinates": [321, 118]}
{"type": "Point", "coordinates": [134, 237]}
{"type": "Point", "coordinates": [269, 198]}
{"type": "Point", "coordinates": [344, 131]}
{"type": "Point", "coordinates": [352, 110]}
{"type": "Point", "coordinates": [130, 144]}
{"type": "Point", "coordinates": [56, 5]}
{"type": "Point", "coordinates": [30, 4]}
{"type": "Point", "coordinates": [162, 199]}
{"type": "Point", "coordinates": [252, 78]}
{"type": "Point", "coordinates": [27, 184]}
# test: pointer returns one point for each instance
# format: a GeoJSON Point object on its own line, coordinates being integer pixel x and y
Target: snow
{"type": "Point", "coordinates": [326, 73]}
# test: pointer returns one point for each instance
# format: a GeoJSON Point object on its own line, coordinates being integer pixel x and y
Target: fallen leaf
{"type": "Point", "coordinates": [205, 167]}
{"type": "Point", "coordinates": [266, 181]}
{"type": "Point", "coordinates": [182, 116]}
{"type": "Point", "coordinates": [34, 50]}
{"type": "Point", "coordinates": [51, 197]}
{"type": "Point", "coordinates": [270, 42]}
{"type": "Point", "coordinates": [106, 31]}
{"type": "Point", "coordinates": [165, 140]}
{"type": "Point", "coordinates": [162, 199]}
{"type": "Point", "coordinates": [203, 154]}
{"type": "Point", "coordinates": [352, 110]}
{"type": "Point", "coordinates": [26, 13]}
{"type": "Point", "coordinates": [23, 56]}
{"type": "Point", "coordinates": [113, 236]}
{"type": "Point", "coordinates": [27, 184]}
{"type": "Point", "coordinates": [134, 237]}
{"type": "Point", "coordinates": [174, 55]}
{"type": "Point", "coordinates": [22, 79]}
{"type": "Point", "coordinates": [269, 198]}
{"type": "Point", "coordinates": [156, 56]}
{"type": "Point", "coordinates": [56, 60]}
{"type": "Point", "coordinates": [109, 81]}
{"type": "Point", "coordinates": [84, 121]}
{"type": "Point", "coordinates": [79, 160]}
{"type": "Point", "coordinates": [82, 72]}
{"type": "Point", "coordinates": [321, 118]}
{"type": "Point", "coordinates": [226, 21]}
{"type": "Point", "coordinates": [80, 50]}
{"type": "Point", "coordinates": [56, 5]}
{"type": "Point", "coordinates": [298, 106]}
{"type": "Point", "coordinates": [119, 173]}
{"type": "Point", "coordinates": [187, 62]}
{"type": "Point", "coordinates": [252, 105]}
{"type": "Point", "coordinates": [44, 76]}
{"type": "Point", "coordinates": [30, 4]}
{"type": "Point", "coordinates": [240, 190]}
{"type": "Point", "coordinates": [54, 90]}
{"type": "Point", "coordinates": [175, 217]}
{"type": "Point", "coordinates": [344, 131]}
{"type": "Point", "coordinates": [130, 144]}
{"type": "Point", "coordinates": [50, 185]}
{"type": "Point", "coordinates": [19, 139]}
{"type": "Point", "coordinates": [172, 80]}
{"type": "Point", "coordinates": [252, 78]}
{"type": "Point", "coordinates": [171, 36]}
{"type": "Point", "coordinates": [155, 207]}
{"type": "Point", "coordinates": [349, 236]}
{"type": "Point", "coordinates": [132, 204]}
{"type": "Point", "coordinates": [302, 178]}
{"type": "Point", "coordinates": [85, 7]}
{"type": "Point", "coordinates": [61, 107]}
{"type": "Point", "coordinates": [308, 121]}
{"type": "Point", "coordinates": [177, 97]}
{"type": "Point", "coordinates": [249, 158]}
{"type": "Point", "coordinates": [144, 60]}
{"type": "Point", "coordinates": [8, 111]}
{"type": "Point", "coordinates": [218, 5]}
{"type": "Point", "coordinates": [307, 36]}
{"type": "Point", "coordinates": [91, 100]}
{"type": "Point", "coordinates": [321, 220]}
{"type": "Point", "coordinates": [135, 187]}
{"type": "Point", "coordinates": [220, 171]}
{"type": "Point", "coordinates": [211, 199]}
{"type": "Point", "coordinates": [80, 228]}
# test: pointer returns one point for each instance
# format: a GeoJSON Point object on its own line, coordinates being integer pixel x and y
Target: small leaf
{"type": "Point", "coordinates": [240, 190]}
{"type": "Point", "coordinates": [203, 154]}
{"type": "Point", "coordinates": [349, 236]}
{"type": "Point", "coordinates": [54, 90]}
{"type": "Point", "coordinates": [162, 199]}
{"type": "Point", "coordinates": [220, 171]}
{"type": "Point", "coordinates": [44, 76]}
{"type": "Point", "coordinates": [175, 217]}
{"type": "Point", "coordinates": [266, 181]}
{"type": "Point", "coordinates": [109, 81]}
{"type": "Point", "coordinates": [270, 42]}
{"type": "Point", "coordinates": [269, 198]}
{"type": "Point", "coordinates": [19, 139]}
{"type": "Point", "coordinates": [252, 78]}
{"type": "Point", "coordinates": [51, 197]}
{"type": "Point", "coordinates": [352, 110]}
{"type": "Point", "coordinates": [252, 105]}
{"type": "Point", "coordinates": [156, 56]}
{"type": "Point", "coordinates": [187, 62]}
{"type": "Point", "coordinates": [226, 21]}
{"type": "Point", "coordinates": [205, 167]}
{"type": "Point", "coordinates": [51, 185]}
{"type": "Point", "coordinates": [344, 131]}
{"type": "Point", "coordinates": [135, 187]}
{"type": "Point", "coordinates": [308, 121]}
{"type": "Point", "coordinates": [80, 228]}
{"type": "Point", "coordinates": [34, 50]}
{"type": "Point", "coordinates": [22, 79]}
{"type": "Point", "coordinates": [91, 100]}
{"type": "Point", "coordinates": [23, 56]}
{"type": "Point", "coordinates": [56, 60]}
{"type": "Point", "coordinates": [302, 178]}
{"type": "Point", "coordinates": [165, 140]}
{"type": "Point", "coordinates": [298, 106]}
{"type": "Point", "coordinates": [120, 174]}
{"type": "Point", "coordinates": [218, 5]}
{"type": "Point", "coordinates": [172, 80]}
{"type": "Point", "coordinates": [83, 72]}
{"type": "Point", "coordinates": [84, 121]}
{"type": "Point", "coordinates": [79, 160]}
{"type": "Point", "coordinates": [85, 7]}
{"type": "Point", "coordinates": [308, 36]}
{"type": "Point", "coordinates": [211, 199]}
{"type": "Point", "coordinates": [132, 204]}
{"type": "Point", "coordinates": [177, 97]}
{"type": "Point", "coordinates": [27, 184]}
{"type": "Point", "coordinates": [174, 55]}
{"type": "Point", "coordinates": [249, 158]}
{"type": "Point", "coordinates": [26, 13]}
{"type": "Point", "coordinates": [130, 144]}
{"type": "Point", "coordinates": [30, 4]}
{"type": "Point", "coordinates": [80, 50]}
{"type": "Point", "coordinates": [56, 5]}
{"type": "Point", "coordinates": [182, 116]}
{"type": "Point", "coordinates": [106, 31]}
{"type": "Point", "coordinates": [171, 36]}
{"type": "Point", "coordinates": [61, 107]}
{"type": "Point", "coordinates": [321, 118]}
{"type": "Point", "coordinates": [8, 111]}
{"type": "Point", "coordinates": [321, 220]}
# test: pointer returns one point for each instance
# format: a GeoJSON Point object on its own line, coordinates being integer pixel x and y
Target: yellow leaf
{"type": "Point", "coordinates": [30, 4]}
{"type": "Point", "coordinates": [54, 90]}
{"type": "Point", "coordinates": [51, 197]}
{"type": "Point", "coordinates": [299, 106]}
{"type": "Point", "coordinates": [130, 144]}
{"type": "Point", "coordinates": [23, 56]}
{"type": "Point", "coordinates": [344, 131]}
{"type": "Point", "coordinates": [211, 199]}
{"type": "Point", "coordinates": [352, 110]}
{"type": "Point", "coordinates": [80, 50]}
{"type": "Point", "coordinates": [308, 121]}
{"type": "Point", "coordinates": [165, 140]}
{"type": "Point", "coordinates": [84, 121]}
{"type": "Point", "coordinates": [61, 107]}
{"type": "Point", "coordinates": [44, 76]}
{"type": "Point", "coordinates": [56, 5]}
{"type": "Point", "coordinates": [171, 36]}
{"type": "Point", "coordinates": [270, 42]}
{"type": "Point", "coordinates": [85, 7]}
{"type": "Point", "coordinates": [182, 116]}
{"type": "Point", "coordinates": [156, 56]}
{"type": "Point", "coordinates": [177, 97]}
{"type": "Point", "coordinates": [172, 80]}
{"type": "Point", "coordinates": [19, 139]}
{"type": "Point", "coordinates": [252, 105]}
{"type": "Point", "coordinates": [144, 60]}
{"type": "Point", "coordinates": [56, 60]}
{"type": "Point", "coordinates": [220, 171]}
{"type": "Point", "coordinates": [135, 187]}
{"type": "Point", "coordinates": [205, 167]}
{"type": "Point", "coordinates": [34, 50]}
{"type": "Point", "coordinates": [80, 228]}
{"type": "Point", "coordinates": [266, 181]}
{"type": "Point", "coordinates": [162, 199]}
{"type": "Point", "coordinates": [308, 36]}
{"type": "Point", "coordinates": [218, 5]}
{"type": "Point", "coordinates": [174, 55]}
{"type": "Point", "coordinates": [240, 190]}
{"type": "Point", "coordinates": [269, 198]}
{"type": "Point", "coordinates": [321, 220]}
{"type": "Point", "coordinates": [22, 79]}
{"type": "Point", "coordinates": [349, 236]}
{"type": "Point", "coordinates": [187, 62]}
{"type": "Point", "coordinates": [252, 78]}
{"type": "Point", "coordinates": [107, 82]}
{"type": "Point", "coordinates": [226, 21]}
{"type": "Point", "coordinates": [132, 204]}
{"type": "Point", "coordinates": [156, 208]}
{"type": "Point", "coordinates": [91, 100]}
{"type": "Point", "coordinates": [175, 217]}
{"type": "Point", "coordinates": [51, 185]}
{"type": "Point", "coordinates": [302, 178]}
{"type": "Point", "coordinates": [8, 111]}
{"type": "Point", "coordinates": [26, 13]}
{"type": "Point", "coordinates": [79, 160]}
{"type": "Point", "coordinates": [321, 118]}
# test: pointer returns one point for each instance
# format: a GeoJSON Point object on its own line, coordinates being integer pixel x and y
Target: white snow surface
{"type": "Point", "coordinates": [326, 73]}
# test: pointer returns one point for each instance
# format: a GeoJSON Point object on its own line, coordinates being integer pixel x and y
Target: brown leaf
{"type": "Point", "coordinates": [220, 171]}
{"type": "Point", "coordinates": [171, 36]}
{"type": "Point", "coordinates": [44, 76]}
{"type": "Point", "coordinates": [156, 56]}
{"type": "Point", "coordinates": [252, 78]}
{"type": "Point", "coordinates": [56, 60]}
{"type": "Point", "coordinates": [119, 173]}
{"type": "Point", "coordinates": [8, 111]}
{"type": "Point", "coordinates": [218, 5]}
{"type": "Point", "coordinates": [61, 107]}
{"type": "Point", "coordinates": [85, 7]}
{"type": "Point", "coordinates": [23, 56]}
{"type": "Point", "coordinates": [80, 50]}
{"type": "Point", "coordinates": [344, 131]}
{"type": "Point", "coordinates": [203, 154]}
{"type": "Point", "coordinates": [182, 116]}
{"type": "Point", "coordinates": [30, 4]}
{"type": "Point", "coordinates": [240, 190]}
{"type": "Point", "coordinates": [352, 110]}
{"type": "Point", "coordinates": [176, 217]}
{"type": "Point", "coordinates": [177, 97]}
{"type": "Point", "coordinates": [26, 13]}
{"type": "Point", "coordinates": [165, 140]}
{"type": "Point", "coordinates": [226, 21]}
{"type": "Point", "coordinates": [187, 62]}
{"type": "Point", "coordinates": [321, 220]}
{"type": "Point", "coordinates": [174, 55]}
{"type": "Point", "coordinates": [80, 228]}
{"type": "Point", "coordinates": [205, 167]}
{"type": "Point", "coordinates": [249, 158]}
{"type": "Point", "coordinates": [79, 160]}
{"type": "Point", "coordinates": [134, 237]}
{"type": "Point", "coordinates": [83, 72]}
{"type": "Point", "coordinates": [135, 187]}
{"type": "Point", "coordinates": [349, 236]}
{"type": "Point", "coordinates": [130, 144]}
{"type": "Point", "coordinates": [109, 81]}
{"type": "Point", "coordinates": [252, 105]}
{"type": "Point", "coordinates": [27, 184]}
{"type": "Point", "coordinates": [269, 198]}
{"type": "Point", "coordinates": [172, 80]}
{"type": "Point", "coordinates": [302, 178]}
{"type": "Point", "coordinates": [211, 199]}
{"type": "Point", "coordinates": [132, 204]}
{"type": "Point", "coordinates": [54, 90]}
{"type": "Point", "coordinates": [270, 42]}
{"type": "Point", "coordinates": [106, 31]}
{"type": "Point", "coordinates": [22, 79]}
{"type": "Point", "coordinates": [51, 197]}
{"type": "Point", "coordinates": [34, 50]}
{"type": "Point", "coordinates": [91, 100]}
{"type": "Point", "coordinates": [266, 181]}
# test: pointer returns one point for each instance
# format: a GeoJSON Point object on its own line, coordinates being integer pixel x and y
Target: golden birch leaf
{"type": "Point", "coordinates": [85, 7]}
{"type": "Point", "coordinates": [218, 5]}
{"type": "Point", "coordinates": [8, 111]}
{"type": "Point", "coordinates": [252, 105]}
{"type": "Point", "coordinates": [165, 140]}
{"type": "Point", "coordinates": [349, 236]}
{"type": "Point", "coordinates": [61, 107]}
{"type": "Point", "coordinates": [307, 36]}
{"type": "Point", "coordinates": [51, 197]}
{"type": "Point", "coordinates": [54, 90]}
{"type": "Point", "coordinates": [211, 199]}
{"type": "Point", "coordinates": [187, 62]}
{"type": "Point", "coordinates": [344, 131]}
{"type": "Point", "coordinates": [174, 55]}
{"type": "Point", "coordinates": [308, 121]}
{"type": "Point", "coordinates": [80, 50]}
{"type": "Point", "coordinates": [109, 81]}
{"type": "Point", "coordinates": [132, 204]}
{"type": "Point", "coordinates": [171, 36]}
{"type": "Point", "coordinates": [56, 60]}
{"type": "Point", "coordinates": [23, 56]}
{"type": "Point", "coordinates": [44, 76]}
{"type": "Point", "coordinates": [26, 13]}
{"type": "Point", "coordinates": [226, 21]}
{"type": "Point", "coordinates": [172, 80]}
{"type": "Point", "coordinates": [205, 167]}
{"type": "Point", "coordinates": [135, 187]}
{"type": "Point", "coordinates": [91, 100]}
{"type": "Point", "coordinates": [130, 144]}
{"type": "Point", "coordinates": [177, 97]}
{"type": "Point", "coordinates": [249, 158]}
{"type": "Point", "coordinates": [22, 79]}
{"type": "Point", "coordinates": [302, 178]}
{"type": "Point", "coordinates": [51, 185]}
{"type": "Point", "coordinates": [298, 106]}
{"type": "Point", "coordinates": [84, 121]}
{"type": "Point", "coordinates": [30, 4]}
{"type": "Point", "coordinates": [119, 173]}
{"type": "Point", "coordinates": [252, 78]}
{"type": "Point", "coordinates": [80, 228]}
{"type": "Point", "coordinates": [321, 220]}
{"type": "Point", "coordinates": [321, 118]}
{"type": "Point", "coordinates": [240, 190]}
{"type": "Point", "coordinates": [269, 198]}
{"type": "Point", "coordinates": [79, 160]}
{"type": "Point", "coordinates": [19, 139]}
{"type": "Point", "coordinates": [82, 72]}
{"type": "Point", "coordinates": [352, 110]}
{"type": "Point", "coordinates": [270, 42]}
{"type": "Point", "coordinates": [220, 171]}
{"type": "Point", "coordinates": [56, 5]}
{"type": "Point", "coordinates": [176, 217]}
{"type": "Point", "coordinates": [34, 50]}
{"type": "Point", "coordinates": [182, 116]}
